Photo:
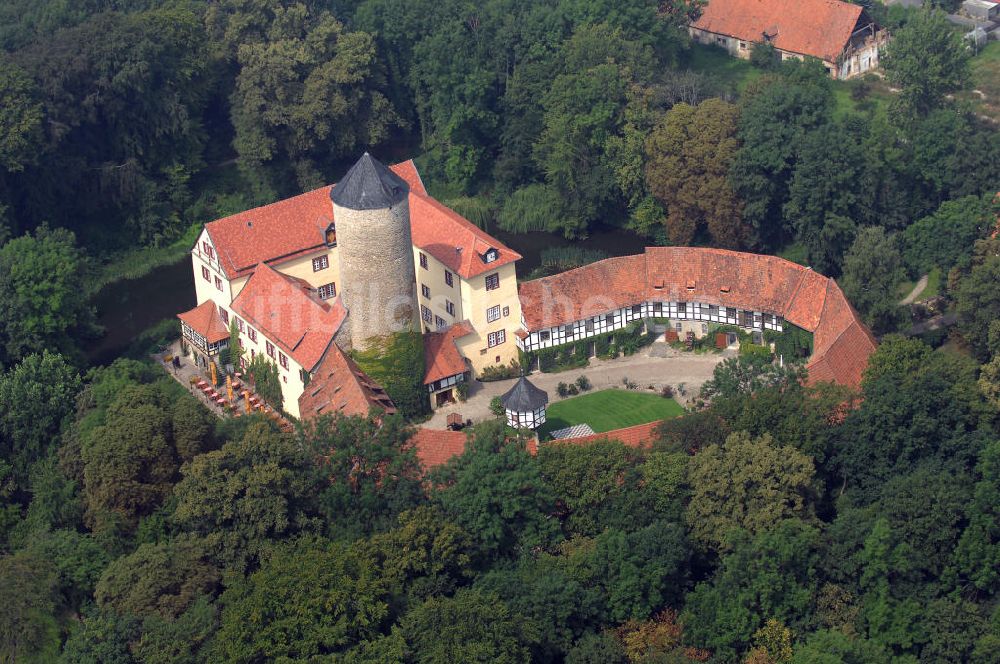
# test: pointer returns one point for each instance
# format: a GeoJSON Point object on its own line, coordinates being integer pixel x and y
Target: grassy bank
{"type": "Point", "coordinates": [140, 262]}
{"type": "Point", "coordinates": [608, 410]}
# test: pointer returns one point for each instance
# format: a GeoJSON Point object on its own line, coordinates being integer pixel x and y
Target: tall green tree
{"type": "Point", "coordinates": [308, 599]}
{"type": "Point", "coordinates": [927, 60]}
{"type": "Point", "coordinates": [689, 154]}
{"type": "Point", "coordinates": [38, 394]}
{"type": "Point", "coordinates": [823, 196]}
{"type": "Point", "coordinates": [253, 491]}
{"type": "Point", "coordinates": [977, 302]}
{"type": "Point", "coordinates": [873, 268]}
{"type": "Point", "coordinates": [308, 92]}
{"type": "Point", "coordinates": [775, 115]}
{"type": "Point", "coordinates": [40, 300]}
{"type": "Point", "coordinates": [369, 472]}
{"type": "Point", "coordinates": [747, 484]}
{"type": "Point", "coordinates": [495, 491]}
{"type": "Point", "coordinates": [470, 626]}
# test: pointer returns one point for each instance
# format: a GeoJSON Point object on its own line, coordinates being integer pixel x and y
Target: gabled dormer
{"type": "Point", "coordinates": [490, 255]}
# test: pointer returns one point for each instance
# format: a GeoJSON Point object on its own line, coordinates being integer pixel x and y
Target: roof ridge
{"type": "Point", "coordinates": [471, 228]}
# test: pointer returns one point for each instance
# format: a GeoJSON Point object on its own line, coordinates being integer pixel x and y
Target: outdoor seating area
{"type": "Point", "coordinates": [232, 397]}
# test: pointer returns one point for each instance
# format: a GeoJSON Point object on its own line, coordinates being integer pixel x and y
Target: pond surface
{"type": "Point", "coordinates": [613, 242]}
{"type": "Point", "coordinates": [126, 308]}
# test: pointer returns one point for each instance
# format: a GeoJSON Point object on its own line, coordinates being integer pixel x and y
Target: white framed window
{"type": "Point", "coordinates": [205, 274]}
{"type": "Point", "coordinates": [218, 283]}
{"type": "Point", "coordinates": [269, 347]}
{"type": "Point", "coordinates": [252, 333]}
{"type": "Point", "coordinates": [496, 338]}
{"type": "Point", "coordinates": [448, 279]}
{"type": "Point", "coordinates": [449, 306]}
{"type": "Point", "coordinates": [425, 291]}
{"type": "Point", "coordinates": [207, 248]}
{"type": "Point", "coordinates": [492, 314]}
{"type": "Point", "coordinates": [326, 291]}
{"type": "Point", "coordinates": [426, 314]}
{"type": "Point", "coordinates": [239, 323]}
{"type": "Point", "coordinates": [492, 281]}
{"type": "Point", "coordinates": [321, 263]}
{"type": "Point", "coordinates": [506, 312]}
{"type": "Point", "coordinates": [283, 359]}
{"type": "Point", "coordinates": [440, 322]}
{"type": "Point", "coordinates": [224, 315]}
{"type": "Point", "coordinates": [423, 260]}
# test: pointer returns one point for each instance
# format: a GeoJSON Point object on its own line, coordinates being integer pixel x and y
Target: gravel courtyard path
{"type": "Point", "coordinates": [657, 365]}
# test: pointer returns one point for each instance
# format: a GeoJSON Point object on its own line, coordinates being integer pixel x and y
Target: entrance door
{"type": "Point", "coordinates": [445, 397]}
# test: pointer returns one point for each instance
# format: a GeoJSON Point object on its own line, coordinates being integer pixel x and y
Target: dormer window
{"type": "Point", "coordinates": [491, 255]}
{"type": "Point", "coordinates": [331, 235]}
{"type": "Point", "coordinates": [691, 284]}
{"type": "Point", "coordinates": [723, 289]}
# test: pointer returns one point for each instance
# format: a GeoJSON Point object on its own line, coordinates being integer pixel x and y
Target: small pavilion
{"type": "Point", "coordinates": [524, 405]}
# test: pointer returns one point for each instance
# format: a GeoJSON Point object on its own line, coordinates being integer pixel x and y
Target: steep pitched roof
{"type": "Point", "coordinates": [204, 319]}
{"type": "Point", "coordinates": [453, 239]}
{"type": "Point", "coordinates": [820, 28]}
{"type": "Point", "coordinates": [369, 185]}
{"type": "Point", "coordinates": [524, 397]}
{"type": "Point", "coordinates": [441, 356]}
{"type": "Point", "coordinates": [287, 312]}
{"type": "Point", "coordinates": [339, 386]}
{"type": "Point", "coordinates": [296, 226]}
{"type": "Point", "coordinates": [841, 342]}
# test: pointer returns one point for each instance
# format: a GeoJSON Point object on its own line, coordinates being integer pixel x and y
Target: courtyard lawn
{"type": "Point", "coordinates": [608, 410]}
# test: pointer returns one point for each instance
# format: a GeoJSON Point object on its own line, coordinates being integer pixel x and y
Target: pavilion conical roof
{"type": "Point", "coordinates": [369, 185]}
{"type": "Point", "coordinates": [524, 397]}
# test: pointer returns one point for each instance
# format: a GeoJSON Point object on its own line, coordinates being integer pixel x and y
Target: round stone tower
{"type": "Point", "coordinates": [377, 281]}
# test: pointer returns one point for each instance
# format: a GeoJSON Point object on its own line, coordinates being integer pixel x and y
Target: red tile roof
{"type": "Point", "coordinates": [639, 435]}
{"type": "Point", "coordinates": [295, 226]}
{"type": "Point", "coordinates": [820, 28]}
{"type": "Point", "coordinates": [204, 319]}
{"type": "Point", "coordinates": [287, 311]}
{"type": "Point", "coordinates": [841, 343]}
{"type": "Point", "coordinates": [435, 447]}
{"type": "Point", "coordinates": [454, 240]}
{"type": "Point", "coordinates": [340, 386]}
{"type": "Point", "coordinates": [441, 355]}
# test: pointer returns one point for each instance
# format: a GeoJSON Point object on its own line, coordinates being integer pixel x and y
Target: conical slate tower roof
{"type": "Point", "coordinates": [369, 185]}
{"type": "Point", "coordinates": [524, 397]}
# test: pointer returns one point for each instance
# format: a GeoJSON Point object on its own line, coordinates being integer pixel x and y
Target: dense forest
{"type": "Point", "coordinates": [778, 523]}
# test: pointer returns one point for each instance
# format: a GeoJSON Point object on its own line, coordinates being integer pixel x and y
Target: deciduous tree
{"type": "Point", "coordinates": [689, 154]}
{"type": "Point", "coordinates": [746, 483]}
{"type": "Point", "coordinates": [873, 268]}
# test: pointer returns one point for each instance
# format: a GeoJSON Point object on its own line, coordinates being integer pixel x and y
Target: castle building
{"type": "Point", "coordinates": [308, 278]}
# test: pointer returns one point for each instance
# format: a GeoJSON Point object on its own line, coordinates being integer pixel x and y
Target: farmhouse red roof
{"type": "Point", "coordinates": [287, 312]}
{"type": "Point", "coordinates": [434, 447]}
{"type": "Point", "coordinates": [820, 28]}
{"type": "Point", "coordinates": [204, 319]}
{"type": "Point", "coordinates": [441, 356]}
{"type": "Point", "coordinates": [295, 226]}
{"type": "Point", "coordinates": [841, 343]}
{"type": "Point", "coordinates": [339, 386]}
{"type": "Point", "coordinates": [639, 435]}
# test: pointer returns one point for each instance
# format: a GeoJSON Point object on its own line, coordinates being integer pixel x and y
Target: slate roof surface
{"type": "Point", "coordinates": [369, 185]}
{"type": "Point", "coordinates": [524, 397]}
{"type": "Point", "coordinates": [441, 355]}
{"type": "Point", "coordinates": [296, 226]}
{"type": "Point", "coordinates": [339, 386]}
{"type": "Point", "coordinates": [288, 312]}
{"type": "Point", "coordinates": [820, 28]}
{"type": "Point", "coordinates": [205, 320]}
{"type": "Point", "coordinates": [841, 342]}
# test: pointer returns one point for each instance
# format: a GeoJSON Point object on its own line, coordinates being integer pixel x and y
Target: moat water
{"type": "Point", "coordinates": [126, 308]}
